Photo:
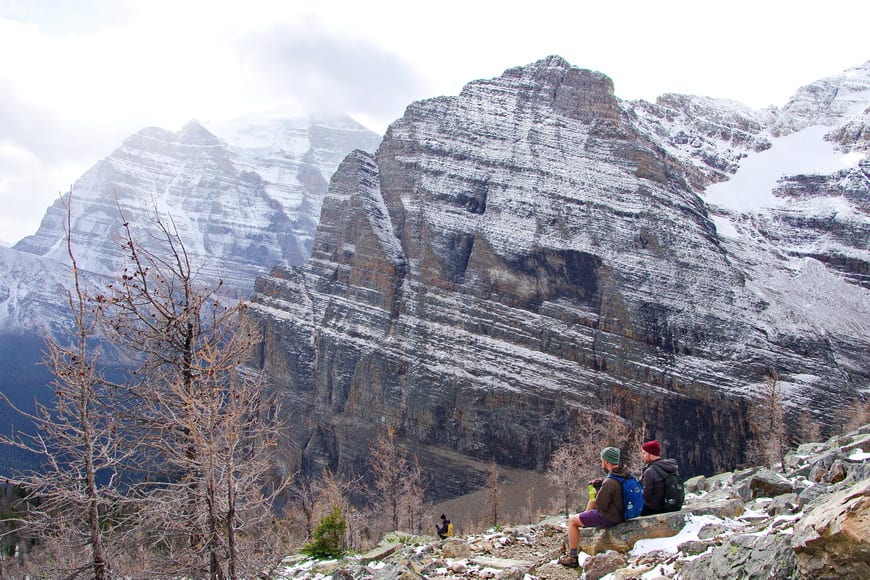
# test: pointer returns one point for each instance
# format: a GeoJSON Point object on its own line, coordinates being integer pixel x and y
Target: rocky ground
{"type": "Point", "coordinates": [809, 520]}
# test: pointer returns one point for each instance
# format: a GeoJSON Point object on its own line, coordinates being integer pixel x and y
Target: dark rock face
{"type": "Point", "coordinates": [516, 259]}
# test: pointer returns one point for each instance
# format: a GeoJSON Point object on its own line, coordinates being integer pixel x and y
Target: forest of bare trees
{"type": "Point", "coordinates": [170, 470]}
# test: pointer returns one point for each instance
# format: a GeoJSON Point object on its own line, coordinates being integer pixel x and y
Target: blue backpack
{"type": "Point", "coordinates": [632, 496]}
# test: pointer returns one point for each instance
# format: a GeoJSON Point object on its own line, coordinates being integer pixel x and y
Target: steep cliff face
{"type": "Point", "coordinates": [533, 251]}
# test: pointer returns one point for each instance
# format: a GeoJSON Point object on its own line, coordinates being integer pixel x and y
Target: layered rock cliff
{"type": "Point", "coordinates": [536, 252]}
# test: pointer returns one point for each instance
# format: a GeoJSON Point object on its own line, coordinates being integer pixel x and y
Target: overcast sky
{"type": "Point", "coordinates": [78, 76]}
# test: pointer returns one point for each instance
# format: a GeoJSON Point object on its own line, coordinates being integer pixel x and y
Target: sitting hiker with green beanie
{"type": "Point", "coordinates": [603, 511]}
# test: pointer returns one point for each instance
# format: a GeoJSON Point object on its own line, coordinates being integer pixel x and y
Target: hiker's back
{"type": "Point", "coordinates": [632, 495]}
{"type": "Point", "coordinates": [674, 492]}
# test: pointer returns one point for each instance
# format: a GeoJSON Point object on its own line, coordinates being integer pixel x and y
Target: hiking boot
{"type": "Point", "coordinates": [569, 561]}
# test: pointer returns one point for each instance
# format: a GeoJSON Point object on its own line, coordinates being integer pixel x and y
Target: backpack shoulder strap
{"type": "Point", "coordinates": [659, 470]}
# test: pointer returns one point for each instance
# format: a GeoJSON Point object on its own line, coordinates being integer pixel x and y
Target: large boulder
{"type": "Point", "coordinates": [767, 483]}
{"type": "Point", "coordinates": [833, 539]}
{"type": "Point", "coordinates": [621, 538]}
{"type": "Point", "coordinates": [507, 568]}
{"type": "Point", "coordinates": [603, 564]}
{"type": "Point", "coordinates": [744, 556]}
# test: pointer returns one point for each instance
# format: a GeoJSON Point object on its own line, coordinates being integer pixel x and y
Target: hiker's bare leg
{"type": "Point", "coordinates": [574, 525]}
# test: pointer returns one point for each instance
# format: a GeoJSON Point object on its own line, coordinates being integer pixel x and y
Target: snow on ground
{"type": "Point", "coordinates": [801, 299]}
{"type": "Point", "coordinates": [724, 227]}
{"type": "Point", "coordinates": [801, 153]}
{"type": "Point", "coordinates": [688, 533]}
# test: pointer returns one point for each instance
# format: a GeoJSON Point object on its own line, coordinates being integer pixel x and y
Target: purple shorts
{"type": "Point", "coordinates": [594, 519]}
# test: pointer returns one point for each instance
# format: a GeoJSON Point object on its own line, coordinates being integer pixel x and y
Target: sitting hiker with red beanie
{"type": "Point", "coordinates": [656, 479]}
{"type": "Point", "coordinates": [602, 511]}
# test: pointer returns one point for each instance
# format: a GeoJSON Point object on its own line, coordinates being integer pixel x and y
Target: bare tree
{"type": "Point", "coordinates": [77, 439]}
{"type": "Point", "coordinates": [414, 495]}
{"type": "Point", "coordinates": [768, 421]}
{"type": "Point", "coordinates": [528, 513]}
{"type": "Point", "coordinates": [598, 432]}
{"type": "Point", "coordinates": [333, 491]}
{"type": "Point", "coordinates": [207, 425]}
{"type": "Point", "coordinates": [397, 486]}
{"type": "Point", "coordinates": [564, 472]}
{"type": "Point", "coordinates": [493, 493]}
{"type": "Point", "coordinates": [614, 431]}
{"type": "Point", "coordinates": [389, 468]}
{"type": "Point", "coordinates": [303, 497]}
{"type": "Point", "coordinates": [809, 429]}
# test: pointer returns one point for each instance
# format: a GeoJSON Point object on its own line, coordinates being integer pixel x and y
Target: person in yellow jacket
{"type": "Point", "coordinates": [445, 530]}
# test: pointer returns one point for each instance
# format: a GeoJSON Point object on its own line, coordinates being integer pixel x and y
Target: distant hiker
{"type": "Point", "coordinates": [602, 511]}
{"type": "Point", "coordinates": [662, 486]}
{"type": "Point", "coordinates": [445, 530]}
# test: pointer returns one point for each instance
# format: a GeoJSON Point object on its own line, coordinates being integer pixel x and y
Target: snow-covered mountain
{"type": "Point", "coordinates": [532, 253]}
{"type": "Point", "coordinates": [242, 203]}
{"type": "Point", "coordinates": [32, 292]}
{"type": "Point", "coordinates": [536, 252]}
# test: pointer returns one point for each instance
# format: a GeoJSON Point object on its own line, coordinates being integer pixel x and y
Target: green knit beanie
{"type": "Point", "coordinates": [610, 455]}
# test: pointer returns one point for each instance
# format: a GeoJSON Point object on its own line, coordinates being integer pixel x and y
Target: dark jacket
{"type": "Point", "coordinates": [609, 498]}
{"type": "Point", "coordinates": [654, 485]}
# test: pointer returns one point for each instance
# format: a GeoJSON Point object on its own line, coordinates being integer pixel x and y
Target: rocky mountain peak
{"type": "Point", "coordinates": [573, 92]}
{"type": "Point", "coordinates": [194, 133]}
{"type": "Point", "coordinates": [242, 204]}
{"type": "Point", "coordinates": [828, 102]}
{"type": "Point", "coordinates": [156, 133]}
{"type": "Point", "coordinates": [533, 252]}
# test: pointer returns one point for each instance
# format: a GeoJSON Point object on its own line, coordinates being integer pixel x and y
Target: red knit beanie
{"type": "Point", "coordinates": [652, 447]}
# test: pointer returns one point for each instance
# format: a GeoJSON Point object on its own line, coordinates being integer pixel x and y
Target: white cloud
{"type": "Point", "coordinates": [84, 75]}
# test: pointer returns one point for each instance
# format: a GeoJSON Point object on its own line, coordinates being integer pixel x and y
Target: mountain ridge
{"type": "Point", "coordinates": [240, 210]}
{"type": "Point", "coordinates": [558, 261]}
{"type": "Point", "coordinates": [529, 253]}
